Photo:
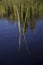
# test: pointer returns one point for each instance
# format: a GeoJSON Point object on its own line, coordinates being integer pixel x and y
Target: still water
{"type": "Point", "coordinates": [9, 35]}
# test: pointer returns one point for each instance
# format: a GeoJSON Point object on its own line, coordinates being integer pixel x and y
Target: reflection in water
{"type": "Point", "coordinates": [9, 44]}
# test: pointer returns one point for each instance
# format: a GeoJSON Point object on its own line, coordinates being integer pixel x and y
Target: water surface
{"type": "Point", "coordinates": [9, 44]}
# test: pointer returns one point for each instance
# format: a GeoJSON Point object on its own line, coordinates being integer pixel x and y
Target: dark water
{"type": "Point", "coordinates": [9, 54]}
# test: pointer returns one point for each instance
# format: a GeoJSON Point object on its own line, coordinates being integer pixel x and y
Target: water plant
{"type": "Point", "coordinates": [24, 11]}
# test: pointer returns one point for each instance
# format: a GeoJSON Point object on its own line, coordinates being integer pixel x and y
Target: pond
{"type": "Point", "coordinates": [9, 35]}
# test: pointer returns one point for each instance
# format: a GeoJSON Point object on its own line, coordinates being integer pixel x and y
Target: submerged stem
{"type": "Point", "coordinates": [19, 30]}
{"type": "Point", "coordinates": [24, 25]}
{"type": "Point", "coordinates": [26, 44]}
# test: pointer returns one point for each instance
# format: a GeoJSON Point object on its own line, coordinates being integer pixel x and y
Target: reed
{"type": "Point", "coordinates": [7, 8]}
{"type": "Point", "coordinates": [26, 11]}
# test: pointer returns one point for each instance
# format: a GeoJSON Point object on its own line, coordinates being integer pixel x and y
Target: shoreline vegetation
{"type": "Point", "coordinates": [28, 10]}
